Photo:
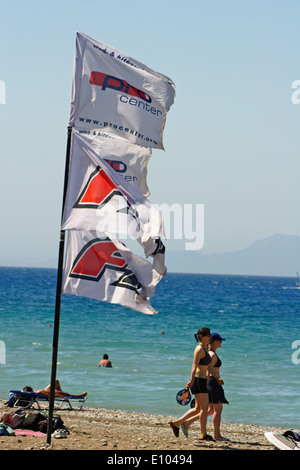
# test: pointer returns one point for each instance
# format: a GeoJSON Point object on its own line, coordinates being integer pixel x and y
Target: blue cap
{"type": "Point", "coordinates": [216, 337]}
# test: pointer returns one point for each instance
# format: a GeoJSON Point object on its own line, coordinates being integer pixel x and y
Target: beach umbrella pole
{"type": "Point", "coordinates": [58, 297]}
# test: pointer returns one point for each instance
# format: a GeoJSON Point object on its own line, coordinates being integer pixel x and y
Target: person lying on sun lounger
{"type": "Point", "coordinates": [57, 393]}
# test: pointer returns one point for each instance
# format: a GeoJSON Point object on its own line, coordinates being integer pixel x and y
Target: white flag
{"type": "Point", "coordinates": [113, 92]}
{"type": "Point", "coordinates": [127, 159]}
{"type": "Point", "coordinates": [98, 198]}
{"type": "Point", "coordinates": [104, 269]}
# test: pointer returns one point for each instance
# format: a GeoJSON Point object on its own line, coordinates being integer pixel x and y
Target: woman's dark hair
{"type": "Point", "coordinates": [105, 356]}
{"type": "Point", "coordinates": [202, 332]}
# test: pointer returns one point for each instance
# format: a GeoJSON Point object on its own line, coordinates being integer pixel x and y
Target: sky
{"type": "Point", "coordinates": [231, 137]}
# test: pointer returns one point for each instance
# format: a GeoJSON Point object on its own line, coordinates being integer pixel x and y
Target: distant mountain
{"type": "Point", "coordinates": [278, 255]}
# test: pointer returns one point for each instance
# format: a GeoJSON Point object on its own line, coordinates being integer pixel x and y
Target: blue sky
{"type": "Point", "coordinates": [231, 138]}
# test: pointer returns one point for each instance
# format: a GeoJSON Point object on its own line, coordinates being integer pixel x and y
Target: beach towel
{"type": "Point", "coordinates": [28, 432]}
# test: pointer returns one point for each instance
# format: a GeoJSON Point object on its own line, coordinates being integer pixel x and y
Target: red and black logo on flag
{"type": "Point", "coordinates": [98, 191]}
{"type": "Point", "coordinates": [96, 257]}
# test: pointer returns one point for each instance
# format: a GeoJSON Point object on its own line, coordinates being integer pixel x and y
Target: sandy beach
{"type": "Point", "coordinates": [113, 430]}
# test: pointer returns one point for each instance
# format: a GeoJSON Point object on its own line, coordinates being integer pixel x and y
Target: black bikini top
{"type": "Point", "coordinates": [205, 360]}
{"type": "Point", "coordinates": [219, 362]}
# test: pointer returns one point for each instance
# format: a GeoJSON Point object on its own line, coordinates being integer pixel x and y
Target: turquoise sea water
{"type": "Point", "coordinates": [258, 316]}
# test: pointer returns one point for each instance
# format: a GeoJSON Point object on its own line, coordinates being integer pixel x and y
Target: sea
{"type": "Point", "coordinates": [152, 355]}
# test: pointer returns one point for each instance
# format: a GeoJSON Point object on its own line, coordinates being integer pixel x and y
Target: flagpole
{"type": "Point", "coordinates": [58, 296]}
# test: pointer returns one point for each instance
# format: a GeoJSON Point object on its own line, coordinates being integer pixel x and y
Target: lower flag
{"type": "Point", "coordinates": [104, 269]}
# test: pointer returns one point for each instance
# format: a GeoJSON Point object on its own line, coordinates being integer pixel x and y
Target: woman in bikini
{"type": "Point", "coordinates": [198, 385]}
{"type": "Point", "coordinates": [58, 392]}
{"type": "Point", "coordinates": [215, 391]}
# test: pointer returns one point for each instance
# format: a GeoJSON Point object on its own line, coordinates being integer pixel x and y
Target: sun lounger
{"type": "Point", "coordinates": [20, 399]}
{"type": "Point", "coordinates": [60, 401]}
{"type": "Point", "coordinates": [31, 399]}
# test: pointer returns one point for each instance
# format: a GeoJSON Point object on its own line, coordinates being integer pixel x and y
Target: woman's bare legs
{"type": "Point", "coordinates": [214, 409]}
{"type": "Point", "coordinates": [199, 412]}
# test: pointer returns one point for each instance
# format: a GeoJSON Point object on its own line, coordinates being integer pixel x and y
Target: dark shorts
{"type": "Point", "coordinates": [215, 391]}
{"type": "Point", "coordinates": [199, 386]}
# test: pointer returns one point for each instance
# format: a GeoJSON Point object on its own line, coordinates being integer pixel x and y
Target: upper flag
{"type": "Point", "coordinates": [114, 92]}
{"type": "Point", "coordinates": [102, 268]}
{"type": "Point", "coordinates": [129, 160]}
{"type": "Point", "coordinates": [98, 198]}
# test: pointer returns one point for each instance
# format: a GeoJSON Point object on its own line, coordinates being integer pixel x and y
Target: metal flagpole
{"type": "Point", "coordinates": [58, 296]}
